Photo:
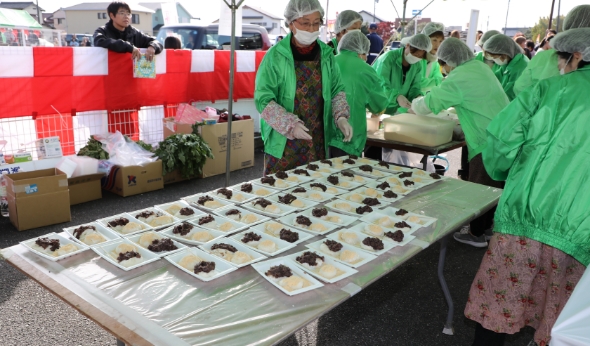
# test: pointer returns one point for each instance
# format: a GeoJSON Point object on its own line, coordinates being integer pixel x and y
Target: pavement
{"type": "Point", "coordinates": [406, 307]}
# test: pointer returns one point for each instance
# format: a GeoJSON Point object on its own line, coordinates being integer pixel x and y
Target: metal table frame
{"type": "Point", "coordinates": [377, 139]}
{"type": "Point", "coordinates": [69, 288]}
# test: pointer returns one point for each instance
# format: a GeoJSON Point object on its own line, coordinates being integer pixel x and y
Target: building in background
{"type": "Point", "coordinates": [513, 31]}
{"type": "Point", "coordinates": [256, 16]}
{"type": "Point", "coordinates": [27, 6]}
{"type": "Point", "coordinates": [59, 20]}
{"type": "Point", "coordinates": [398, 21]}
{"type": "Point", "coordinates": [184, 16]}
{"type": "Point", "coordinates": [84, 18]}
{"type": "Point", "coordinates": [368, 17]}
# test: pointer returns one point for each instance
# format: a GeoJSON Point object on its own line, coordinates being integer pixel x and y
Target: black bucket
{"type": "Point", "coordinates": [440, 169]}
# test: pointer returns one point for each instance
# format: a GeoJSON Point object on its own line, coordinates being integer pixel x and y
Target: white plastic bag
{"type": "Point", "coordinates": [123, 152]}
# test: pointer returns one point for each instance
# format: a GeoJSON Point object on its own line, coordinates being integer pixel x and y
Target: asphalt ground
{"type": "Point", "coordinates": [406, 307]}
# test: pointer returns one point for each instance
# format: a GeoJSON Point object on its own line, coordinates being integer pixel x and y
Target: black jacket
{"type": "Point", "coordinates": [109, 37]}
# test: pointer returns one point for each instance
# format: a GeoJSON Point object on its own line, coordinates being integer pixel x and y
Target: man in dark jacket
{"type": "Point", "coordinates": [376, 44]}
{"type": "Point", "coordinates": [117, 35]}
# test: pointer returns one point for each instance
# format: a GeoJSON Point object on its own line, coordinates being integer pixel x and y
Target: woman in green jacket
{"type": "Point", "coordinates": [431, 74]}
{"type": "Point", "coordinates": [478, 97]}
{"type": "Point", "coordinates": [346, 21]}
{"type": "Point", "coordinates": [364, 90]}
{"type": "Point", "coordinates": [481, 56]}
{"type": "Point", "coordinates": [542, 241]}
{"type": "Point", "coordinates": [509, 59]}
{"type": "Point", "coordinates": [544, 64]}
{"type": "Point", "coordinates": [299, 93]}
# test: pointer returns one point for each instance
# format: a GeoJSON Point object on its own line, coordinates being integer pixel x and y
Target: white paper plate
{"type": "Point", "coordinates": [193, 200]}
{"type": "Point", "coordinates": [349, 195]}
{"type": "Point", "coordinates": [287, 184]}
{"type": "Point", "coordinates": [289, 220]}
{"type": "Point", "coordinates": [282, 245]}
{"type": "Point", "coordinates": [339, 162]}
{"type": "Point", "coordinates": [321, 196]}
{"type": "Point", "coordinates": [347, 271]}
{"type": "Point", "coordinates": [334, 167]}
{"type": "Point", "coordinates": [158, 212]}
{"type": "Point", "coordinates": [105, 222]}
{"type": "Point", "coordinates": [357, 179]}
{"type": "Point", "coordinates": [257, 190]}
{"type": "Point", "coordinates": [259, 217]}
{"type": "Point", "coordinates": [352, 212]}
{"type": "Point", "coordinates": [306, 202]}
{"type": "Point", "coordinates": [263, 267]}
{"type": "Point", "coordinates": [237, 197]}
{"type": "Point", "coordinates": [375, 174]}
{"type": "Point", "coordinates": [169, 232]}
{"type": "Point", "coordinates": [392, 167]}
{"type": "Point", "coordinates": [285, 209]}
{"type": "Point", "coordinates": [346, 219]}
{"type": "Point", "coordinates": [384, 200]}
{"type": "Point", "coordinates": [104, 252]}
{"type": "Point", "coordinates": [105, 232]}
{"type": "Point", "coordinates": [331, 190]}
{"type": "Point", "coordinates": [256, 256]}
{"type": "Point", "coordinates": [179, 246]}
{"type": "Point", "coordinates": [373, 217]}
{"type": "Point", "coordinates": [386, 245]}
{"type": "Point", "coordinates": [365, 257]}
{"type": "Point", "coordinates": [294, 178]}
{"type": "Point", "coordinates": [351, 185]}
{"type": "Point", "coordinates": [425, 221]}
{"type": "Point", "coordinates": [397, 183]}
{"type": "Point", "coordinates": [219, 220]}
{"type": "Point", "coordinates": [62, 241]}
{"type": "Point", "coordinates": [361, 228]}
{"type": "Point", "coordinates": [183, 204]}
{"type": "Point", "coordinates": [312, 174]}
{"type": "Point", "coordinates": [221, 266]}
{"type": "Point", "coordinates": [321, 169]}
{"type": "Point", "coordinates": [303, 236]}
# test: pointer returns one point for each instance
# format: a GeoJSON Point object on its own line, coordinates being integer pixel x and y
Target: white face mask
{"type": "Point", "coordinates": [499, 62]}
{"type": "Point", "coordinates": [562, 71]}
{"type": "Point", "coordinates": [431, 57]}
{"type": "Point", "coordinates": [306, 38]}
{"type": "Point", "coordinates": [411, 59]}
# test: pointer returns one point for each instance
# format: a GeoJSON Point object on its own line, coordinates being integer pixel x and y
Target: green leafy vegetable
{"type": "Point", "coordinates": [94, 149]}
{"type": "Point", "coordinates": [187, 153]}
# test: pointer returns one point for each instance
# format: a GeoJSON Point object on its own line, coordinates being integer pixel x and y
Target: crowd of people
{"type": "Point", "coordinates": [521, 108]}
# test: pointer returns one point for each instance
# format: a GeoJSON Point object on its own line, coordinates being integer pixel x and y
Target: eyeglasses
{"type": "Point", "coordinates": [124, 14]}
{"type": "Point", "coordinates": [308, 25]}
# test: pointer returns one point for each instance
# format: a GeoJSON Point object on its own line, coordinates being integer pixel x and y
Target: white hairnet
{"type": "Point", "coordinates": [454, 52]}
{"type": "Point", "coordinates": [433, 27]}
{"type": "Point", "coordinates": [355, 41]}
{"type": "Point", "coordinates": [502, 44]}
{"type": "Point", "coordinates": [345, 20]}
{"type": "Point", "coordinates": [299, 8]}
{"type": "Point", "coordinates": [572, 41]}
{"type": "Point", "coordinates": [405, 41]}
{"type": "Point", "coordinates": [487, 36]}
{"type": "Point", "coordinates": [578, 17]}
{"type": "Point", "coordinates": [421, 41]}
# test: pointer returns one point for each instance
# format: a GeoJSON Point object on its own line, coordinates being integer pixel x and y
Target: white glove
{"type": "Point", "coordinates": [300, 132]}
{"type": "Point", "coordinates": [345, 128]}
{"type": "Point", "coordinates": [402, 101]}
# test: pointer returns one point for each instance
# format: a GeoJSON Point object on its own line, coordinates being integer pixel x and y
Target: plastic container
{"type": "Point", "coordinates": [417, 129]}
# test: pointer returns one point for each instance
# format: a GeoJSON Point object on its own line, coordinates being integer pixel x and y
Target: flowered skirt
{"type": "Point", "coordinates": [522, 282]}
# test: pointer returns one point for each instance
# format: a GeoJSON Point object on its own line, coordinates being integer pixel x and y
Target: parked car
{"type": "Point", "coordinates": [254, 37]}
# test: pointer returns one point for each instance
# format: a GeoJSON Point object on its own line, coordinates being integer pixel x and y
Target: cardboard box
{"type": "Point", "coordinates": [38, 198]}
{"type": "Point", "coordinates": [175, 177]}
{"type": "Point", "coordinates": [133, 180]}
{"type": "Point", "coordinates": [85, 188]}
{"type": "Point", "coordinates": [48, 148]}
{"type": "Point", "coordinates": [242, 152]}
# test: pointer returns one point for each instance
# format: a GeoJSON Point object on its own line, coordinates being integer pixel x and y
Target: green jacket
{"type": "Point", "coordinates": [480, 57]}
{"type": "Point", "coordinates": [276, 81]}
{"type": "Point", "coordinates": [364, 89]}
{"type": "Point", "coordinates": [333, 43]}
{"type": "Point", "coordinates": [389, 67]}
{"type": "Point", "coordinates": [434, 77]}
{"type": "Point", "coordinates": [542, 66]}
{"type": "Point", "coordinates": [509, 73]}
{"type": "Point", "coordinates": [477, 96]}
{"type": "Point", "coordinates": [539, 144]}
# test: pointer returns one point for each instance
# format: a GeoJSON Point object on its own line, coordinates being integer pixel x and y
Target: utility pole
{"type": "Point", "coordinates": [506, 23]}
{"type": "Point", "coordinates": [551, 16]}
{"type": "Point", "coordinates": [327, 27]}
{"type": "Point", "coordinates": [558, 14]}
{"type": "Point", "coordinates": [38, 14]}
{"type": "Point", "coordinates": [403, 23]}
{"type": "Point", "coordinates": [488, 25]}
